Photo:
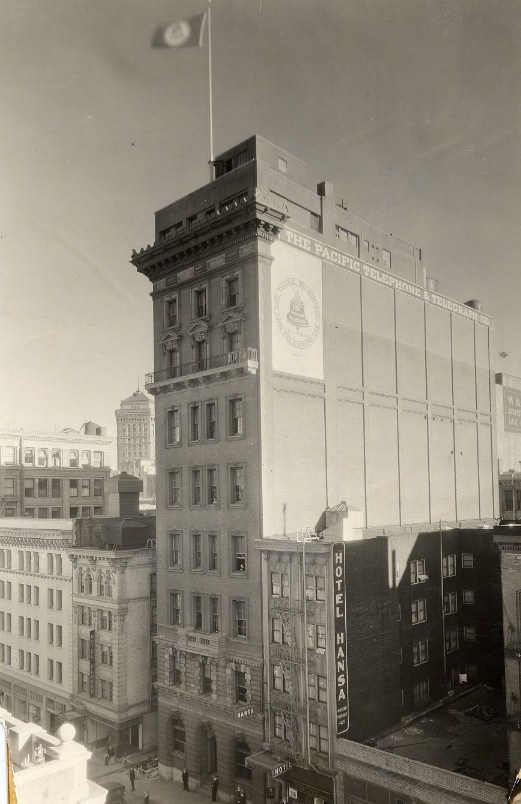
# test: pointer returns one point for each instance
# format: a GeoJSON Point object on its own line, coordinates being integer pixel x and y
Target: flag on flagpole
{"type": "Point", "coordinates": [181, 33]}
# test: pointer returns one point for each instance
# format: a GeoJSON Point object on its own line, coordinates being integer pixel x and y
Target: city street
{"type": "Point", "coordinates": [160, 791]}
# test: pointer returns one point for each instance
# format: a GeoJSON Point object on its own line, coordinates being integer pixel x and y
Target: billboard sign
{"type": "Point", "coordinates": [339, 618]}
{"type": "Point", "coordinates": [512, 408]}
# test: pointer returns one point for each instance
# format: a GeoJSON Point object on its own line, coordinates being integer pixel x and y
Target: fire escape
{"type": "Point", "coordinates": [290, 701]}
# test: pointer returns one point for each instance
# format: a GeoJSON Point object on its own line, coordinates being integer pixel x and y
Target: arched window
{"type": "Point", "coordinates": [100, 582]}
{"type": "Point", "coordinates": [81, 582]}
{"type": "Point", "coordinates": [108, 585]}
{"type": "Point", "coordinates": [88, 583]}
{"type": "Point", "coordinates": [178, 735]}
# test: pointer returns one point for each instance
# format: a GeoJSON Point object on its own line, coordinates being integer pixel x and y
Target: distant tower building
{"type": "Point", "coordinates": [135, 431]}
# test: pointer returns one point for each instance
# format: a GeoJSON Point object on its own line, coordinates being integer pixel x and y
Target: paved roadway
{"type": "Point", "coordinates": [160, 791]}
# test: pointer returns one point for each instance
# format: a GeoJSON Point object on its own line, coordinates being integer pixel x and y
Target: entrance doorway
{"type": "Point", "coordinates": [211, 753]}
{"type": "Point", "coordinates": [134, 736]}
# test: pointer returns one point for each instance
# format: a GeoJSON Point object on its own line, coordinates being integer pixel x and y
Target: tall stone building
{"type": "Point", "coordinates": [302, 360]}
{"type": "Point", "coordinates": [135, 432]}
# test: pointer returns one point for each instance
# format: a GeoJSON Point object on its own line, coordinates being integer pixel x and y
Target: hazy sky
{"type": "Point", "coordinates": [411, 108]}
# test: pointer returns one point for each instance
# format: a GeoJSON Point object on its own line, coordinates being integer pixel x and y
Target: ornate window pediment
{"type": "Point", "coordinates": [198, 331]}
{"type": "Point", "coordinates": [231, 322]}
{"type": "Point", "coordinates": [170, 341]}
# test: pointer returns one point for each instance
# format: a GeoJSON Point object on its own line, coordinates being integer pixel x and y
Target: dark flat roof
{"type": "Point", "coordinates": [449, 738]}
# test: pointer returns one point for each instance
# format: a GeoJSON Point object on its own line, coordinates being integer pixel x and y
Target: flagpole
{"type": "Point", "coordinates": [210, 102]}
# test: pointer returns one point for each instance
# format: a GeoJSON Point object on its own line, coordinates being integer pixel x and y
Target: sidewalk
{"type": "Point", "coordinates": [160, 790]}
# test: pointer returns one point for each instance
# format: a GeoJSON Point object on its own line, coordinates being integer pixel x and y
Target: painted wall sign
{"type": "Point", "coordinates": [356, 266]}
{"type": "Point", "coordinates": [512, 408]}
{"type": "Point", "coordinates": [92, 663]}
{"type": "Point", "coordinates": [339, 617]}
{"type": "Point", "coordinates": [296, 290]}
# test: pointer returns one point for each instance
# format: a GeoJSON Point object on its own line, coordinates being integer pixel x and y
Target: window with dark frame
{"type": "Point", "coordinates": [176, 548]}
{"type": "Point", "coordinates": [240, 623]}
{"type": "Point", "coordinates": [171, 312]}
{"type": "Point", "coordinates": [197, 607]}
{"type": "Point", "coordinates": [236, 484]}
{"type": "Point", "coordinates": [211, 485]}
{"type": "Point", "coordinates": [174, 487]}
{"type": "Point", "coordinates": [176, 612]}
{"type": "Point", "coordinates": [213, 554]}
{"type": "Point", "coordinates": [214, 615]}
{"type": "Point", "coordinates": [178, 736]}
{"type": "Point", "coordinates": [242, 750]}
{"type": "Point", "coordinates": [197, 551]}
{"type": "Point", "coordinates": [238, 552]}
{"type": "Point", "coordinates": [449, 566]}
{"type": "Point", "coordinates": [241, 689]}
{"type": "Point", "coordinates": [196, 487]}
{"type": "Point", "coordinates": [236, 420]}
{"type": "Point", "coordinates": [232, 292]}
{"type": "Point", "coordinates": [206, 676]}
{"type": "Point", "coordinates": [200, 303]}
{"type": "Point", "coordinates": [194, 423]}
{"type": "Point", "coordinates": [173, 426]}
{"type": "Point", "coordinates": [211, 421]}
{"type": "Point", "coordinates": [174, 670]}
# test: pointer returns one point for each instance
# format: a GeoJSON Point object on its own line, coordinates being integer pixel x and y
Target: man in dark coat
{"type": "Point", "coordinates": [185, 777]}
{"type": "Point", "coordinates": [132, 777]}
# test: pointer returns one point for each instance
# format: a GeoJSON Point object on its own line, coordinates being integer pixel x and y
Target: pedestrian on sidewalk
{"type": "Point", "coordinates": [146, 800]}
{"type": "Point", "coordinates": [185, 778]}
{"type": "Point", "coordinates": [215, 785]}
{"type": "Point", "coordinates": [132, 777]}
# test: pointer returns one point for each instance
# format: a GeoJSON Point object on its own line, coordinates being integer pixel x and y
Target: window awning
{"type": "Point", "coordinates": [265, 761]}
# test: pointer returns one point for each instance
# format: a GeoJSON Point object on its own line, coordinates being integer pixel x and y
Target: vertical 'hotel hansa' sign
{"type": "Point", "coordinates": [339, 611]}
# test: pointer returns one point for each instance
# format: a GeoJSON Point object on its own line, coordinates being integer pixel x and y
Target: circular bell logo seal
{"type": "Point", "coordinates": [297, 313]}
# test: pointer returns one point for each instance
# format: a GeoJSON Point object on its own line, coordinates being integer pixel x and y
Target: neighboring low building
{"type": "Point", "coordinates": [47, 768]}
{"type": "Point", "coordinates": [448, 756]}
{"type": "Point", "coordinates": [35, 618]}
{"type": "Point", "coordinates": [508, 538]}
{"type": "Point", "coordinates": [114, 616]}
{"type": "Point", "coordinates": [392, 623]}
{"type": "Point", "coordinates": [54, 475]}
{"type": "Point", "coordinates": [76, 598]}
